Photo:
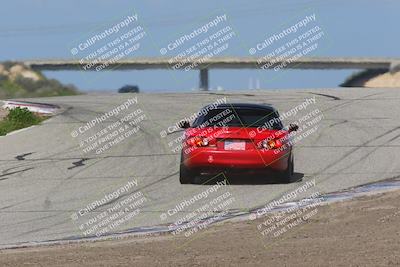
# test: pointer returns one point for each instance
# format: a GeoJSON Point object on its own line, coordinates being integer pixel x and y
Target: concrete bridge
{"type": "Point", "coordinates": [391, 64]}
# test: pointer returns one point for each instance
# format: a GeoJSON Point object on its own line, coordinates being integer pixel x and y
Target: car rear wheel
{"type": "Point", "coordinates": [287, 175]}
{"type": "Point", "coordinates": [186, 175]}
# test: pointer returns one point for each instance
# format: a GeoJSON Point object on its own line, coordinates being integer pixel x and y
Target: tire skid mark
{"type": "Point", "coordinates": [367, 154]}
{"type": "Point", "coordinates": [155, 182]}
{"type": "Point", "coordinates": [328, 96]}
{"type": "Point", "coordinates": [51, 159]}
{"type": "Point", "coordinates": [348, 102]}
{"type": "Point", "coordinates": [78, 163]}
{"type": "Point", "coordinates": [22, 157]}
{"type": "Point", "coordinates": [394, 138]}
{"type": "Point", "coordinates": [137, 190]}
{"type": "Point", "coordinates": [7, 173]}
{"type": "Point", "coordinates": [322, 132]}
{"type": "Point", "coordinates": [28, 221]}
{"type": "Point", "coordinates": [352, 151]}
{"type": "Point", "coordinates": [16, 204]}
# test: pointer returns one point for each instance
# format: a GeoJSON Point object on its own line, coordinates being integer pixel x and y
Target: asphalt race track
{"type": "Point", "coordinates": [46, 177]}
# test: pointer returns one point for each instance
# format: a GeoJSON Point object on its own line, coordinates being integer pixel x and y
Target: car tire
{"type": "Point", "coordinates": [287, 175]}
{"type": "Point", "coordinates": [186, 175]}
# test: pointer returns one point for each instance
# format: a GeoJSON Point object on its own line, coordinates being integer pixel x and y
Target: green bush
{"type": "Point", "coordinates": [22, 115]}
{"type": "Point", "coordinates": [18, 118]}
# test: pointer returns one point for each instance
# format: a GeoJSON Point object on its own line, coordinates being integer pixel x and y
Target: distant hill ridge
{"type": "Point", "coordinates": [18, 80]}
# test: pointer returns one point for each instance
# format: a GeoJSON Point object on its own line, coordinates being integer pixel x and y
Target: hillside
{"type": "Point", "coordinates": [373, 79]}
{"type": "Point", "coordinates": [18, 80]}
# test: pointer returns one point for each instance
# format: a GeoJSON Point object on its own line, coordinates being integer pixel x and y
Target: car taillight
{"type": "Point", "coordinates": [271, 144]}
{"type": "Point", "coordinates": [197, 141]}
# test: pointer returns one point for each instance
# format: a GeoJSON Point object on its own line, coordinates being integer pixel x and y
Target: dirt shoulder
{"type": "Point", "coordinates": [362, 232]}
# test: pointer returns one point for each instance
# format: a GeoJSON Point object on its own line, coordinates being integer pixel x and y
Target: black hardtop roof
{"type": "Point", "coordinates": [243, 106]}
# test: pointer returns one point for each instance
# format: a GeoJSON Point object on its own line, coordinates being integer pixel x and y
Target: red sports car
{"type": "Point", "coordinates": [236, 138]}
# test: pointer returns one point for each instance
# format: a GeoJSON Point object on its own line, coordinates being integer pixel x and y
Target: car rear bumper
{"type": "Point", "coordinates": [207, 158]}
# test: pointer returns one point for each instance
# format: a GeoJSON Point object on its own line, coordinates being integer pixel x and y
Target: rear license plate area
{"type": "Point", "coordinates": [234, 145]}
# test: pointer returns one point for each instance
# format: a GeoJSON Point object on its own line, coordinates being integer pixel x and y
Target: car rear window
{"type": "Point", "coordinates": [239, 117]}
